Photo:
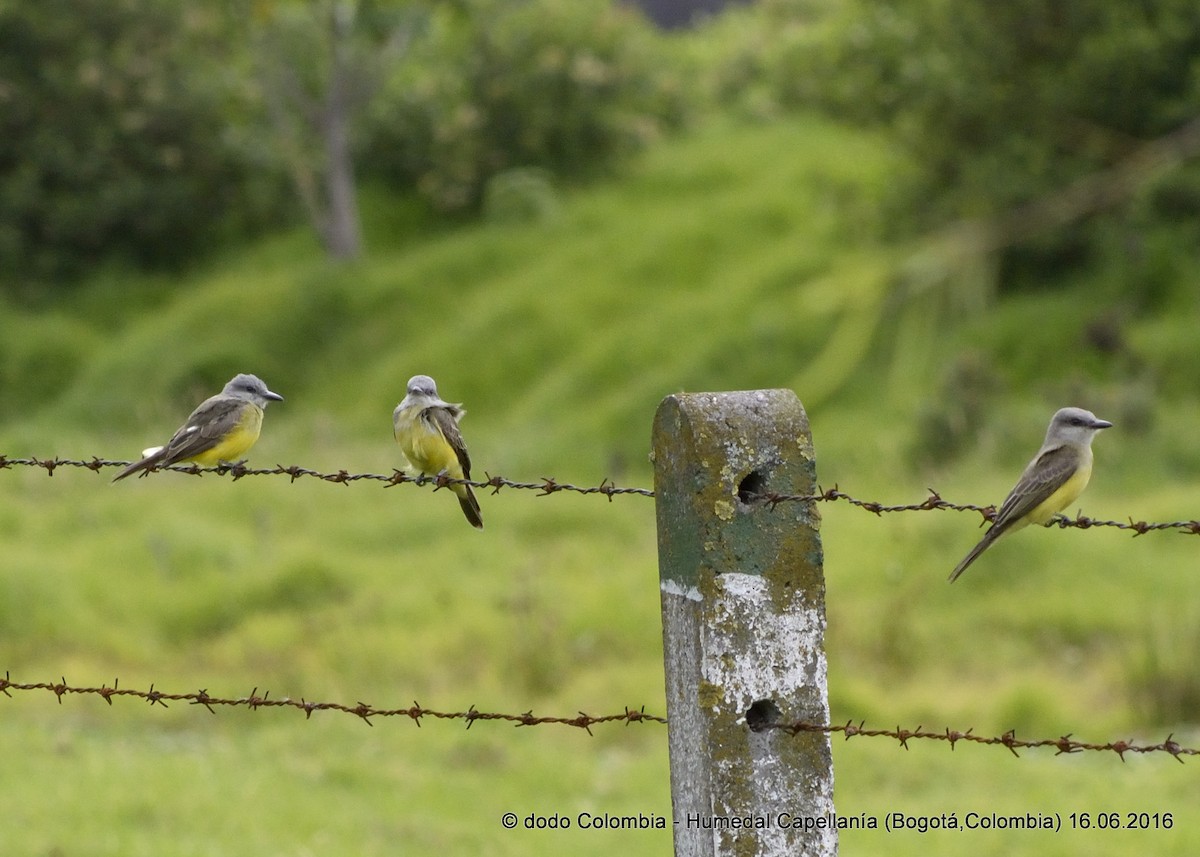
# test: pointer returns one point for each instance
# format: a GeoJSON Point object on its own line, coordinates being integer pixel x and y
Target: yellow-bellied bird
{"type": "Point", "coordinates": [1056, 476]}
{"type": "Point", "coordinates": [222, 429]}
{"type": "Point", "coordinates": [427, 430]}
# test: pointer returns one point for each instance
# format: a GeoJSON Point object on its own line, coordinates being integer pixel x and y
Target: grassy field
{"type": "Point", "coordinates": [738, 258]}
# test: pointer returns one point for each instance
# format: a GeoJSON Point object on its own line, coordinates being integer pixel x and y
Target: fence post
{"type": "Point", "coordinates": [743, 609]}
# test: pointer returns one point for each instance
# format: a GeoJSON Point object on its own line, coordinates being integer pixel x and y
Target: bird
{"type": "Point", "coordinates": [426, 427]}
{"type": "Point", "coordinates": [1054, 478]}
{"type": "Point", "coordinates": [221, 429]}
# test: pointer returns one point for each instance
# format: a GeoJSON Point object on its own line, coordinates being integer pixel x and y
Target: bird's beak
{"type": "Point", "coordinates": [1101, 424]}
{"type": "Point", "coordinates": [275, 397]}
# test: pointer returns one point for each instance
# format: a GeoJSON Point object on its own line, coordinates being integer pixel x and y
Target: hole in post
{"type": "Point", "coordinates": [762, 714]}
{"type": "Point", "coordinates": [753, 484]}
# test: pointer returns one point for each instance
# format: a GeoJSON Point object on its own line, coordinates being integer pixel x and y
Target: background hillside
{"type": "Point", "coordinates": [762, 237]}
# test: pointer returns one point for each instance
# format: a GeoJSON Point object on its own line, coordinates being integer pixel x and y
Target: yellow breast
{"type": "Point", "coordinates": [1067, 493]}
{"type": "Point", "coordinates": [427, 449]}
{"type": "Point", "coordinates": [236, 442]}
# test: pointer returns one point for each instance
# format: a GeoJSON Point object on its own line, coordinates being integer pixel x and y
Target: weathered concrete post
{"type": "Point", "coordinates": [743, 608]}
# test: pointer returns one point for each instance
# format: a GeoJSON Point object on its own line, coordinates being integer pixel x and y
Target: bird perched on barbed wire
{"type": "Point", "coordinates": [220, 430]}
{"type": "Point", "coordinates": [426, 427]}
{"type": "Point", "coordinates": [1054, 479]}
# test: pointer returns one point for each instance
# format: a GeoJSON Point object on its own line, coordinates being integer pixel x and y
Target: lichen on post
{"type": "Point", "coordinates": [743, 608]}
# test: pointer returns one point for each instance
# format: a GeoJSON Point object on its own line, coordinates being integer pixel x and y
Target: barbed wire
{"type": "Point", "coordinates": [546, 485]}
{"type": "Point", "coordinates": [934, 502]}
{"type": "Point", "coordinates": [549, 485]}
{"type": "Point", "coordinates": [254, 701]}
{"type": "Point", "coordinates": [362, 710]}
{"type": "Point", "coordinates": [1064, 744]}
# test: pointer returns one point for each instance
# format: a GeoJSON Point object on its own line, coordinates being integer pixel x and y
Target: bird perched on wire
{"type": "Point", "coordinates": [220, 430]}
{"type": "Point", "coordinates": [426, 427]}
{"type": "Point", "coordinates": [1055, 478]}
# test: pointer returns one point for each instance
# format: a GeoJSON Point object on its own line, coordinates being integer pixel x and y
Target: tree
{"type": "Point", "coordinates": [320, 63]}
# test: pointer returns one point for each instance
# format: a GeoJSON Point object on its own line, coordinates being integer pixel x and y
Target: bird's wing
{"type": "Point", "coordinates": [443, 419]}
{"type": "Point", "coordinates": [205, 428]}
{"type": "Point", "coordinates": [1044, 475]}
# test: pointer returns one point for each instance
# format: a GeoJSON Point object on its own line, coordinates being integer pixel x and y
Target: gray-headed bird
{"type": "Point", "coordinates": [1054, 479]}
{"type": "Point", "coordinates": [427, 430]}
{"type": "Point", "coordinates": [220, 430]}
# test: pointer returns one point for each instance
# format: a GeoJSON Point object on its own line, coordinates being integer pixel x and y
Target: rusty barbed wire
{"type": "Point", "coordinates": [362, 710]}
{"type": "Point", "coordinates": [934, 502]}
{"type": "Point", "coordinates": [546, 485]}
{"type": "Point", "coordinates": [549, 485]}
{"type": "Point", "coordinates": [1064, 744]}
{"type": "Point", "coordinates": [254, 701]}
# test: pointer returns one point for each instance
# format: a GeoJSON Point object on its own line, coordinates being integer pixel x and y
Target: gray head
{"type": "Point", "coordinates": [422, 393]}
{"type": "Point", "coordinates": [1074, 425]}
{"type": "Point", "coordinates": [422, 386]}
{"type": "Point", "coordinates": [252, 389]}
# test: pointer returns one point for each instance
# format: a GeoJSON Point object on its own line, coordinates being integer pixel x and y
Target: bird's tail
{"type": "Point", "coordinates": [987, 539]}
{"type": "Point", "coordinates": [470, 506]}
{"type": "Point", "coordinates": [154, 458]}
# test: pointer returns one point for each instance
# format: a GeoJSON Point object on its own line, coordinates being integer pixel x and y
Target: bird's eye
{"type": "Point", "coordinates": [1076, 421]}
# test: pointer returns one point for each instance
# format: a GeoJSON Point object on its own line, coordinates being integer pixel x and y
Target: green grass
{"type": "Point", "coordinates": [334, 594]}
{"type": "Point", "coordinates": [740, 257]}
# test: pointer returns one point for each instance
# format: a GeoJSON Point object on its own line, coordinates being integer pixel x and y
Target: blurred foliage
{"type": "Point", "coordinates": [145, 130]}
{"type": "Point", "coordinates": [113, 118]}
{"type": "Point", "coordinates": [139, 129]}
{"type": "Point", "coordinates": [999, 104]}
{"type": "Point", "coordinates": [1163, 686]}
{"type": "Point", "coordinates": [39, 353]}
{"type": "Point", "coordinates": [564, 85]}
{"type": "Point", "coordinates": [949, 420]}
{"type": "Point", "coordinates": [521, 195]}
{"type": "Point", "coordinates": [1002, 101]}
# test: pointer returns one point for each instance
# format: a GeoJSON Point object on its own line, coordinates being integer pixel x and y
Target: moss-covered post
{"type": "Point", "coordinates": [743, 609]}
